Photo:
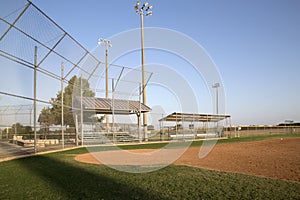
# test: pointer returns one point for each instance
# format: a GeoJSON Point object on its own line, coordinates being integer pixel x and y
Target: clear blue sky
{"type": "Point", "coordinates": [255, 44]}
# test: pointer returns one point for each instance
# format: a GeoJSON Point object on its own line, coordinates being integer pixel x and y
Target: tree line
{"type": "Point", "coordinates": [52, 115]}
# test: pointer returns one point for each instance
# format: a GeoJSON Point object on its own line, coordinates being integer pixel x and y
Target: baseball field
{"type": "Point", "coordinates": [263, 167]}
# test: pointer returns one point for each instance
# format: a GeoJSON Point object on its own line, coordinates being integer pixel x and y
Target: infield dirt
{"type": "Point", "coordinates": [276, 158]}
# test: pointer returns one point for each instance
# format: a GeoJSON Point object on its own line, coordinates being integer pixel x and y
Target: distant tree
{"type": "Point", "coordinates": [28, 129]}
{"type": "Point", "coordinates": [46, 118]}
{"type": "Point", "coordinates": [17, 127]}
{"type": "Point", "coordinates": [53, 115]}
{"type": "Point", "coordinates": [20, 129]}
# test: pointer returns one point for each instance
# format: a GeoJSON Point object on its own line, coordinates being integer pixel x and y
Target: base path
{"type": "Point", "coordinates": [276, 158]}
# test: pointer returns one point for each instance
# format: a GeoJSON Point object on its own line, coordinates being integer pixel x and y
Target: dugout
{"type": "Point", "coordinates": [193, 125]}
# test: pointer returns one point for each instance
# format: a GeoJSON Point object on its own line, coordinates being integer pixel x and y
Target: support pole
{"type": "Point", "coordinates": [217, 100]}
{"type": "Point", "coordinates": [106, 83]}
{"type": "Point", "coordinates": [81, 110]}
{"type": "Point", "coordinates": [139, 115]}
{"type": "Point", "coordinates": [139, 126]}
{"type": "Point", "coordinates": [16, 132]}
{"type": "Point", "coordinates": [107, 44]}
{"type": "Point", "coordinates": [176, 127]}
{"type": "Point", "coordinates": [30, 121]}
{"type": "Point", "coordinates": [143, 78]}
{"type": "Point", "coordinates": [162, 125]}
{"type": "Point", "coordinates": [113, 109]}
{"type": "Point", "coordinates": [143, 10]}
{"type": "Point", "coordinates": [34, 98]}
{"type": "Point", "coordinates": [62, 106]}
{"type": "Point", "coordinates": [76, 127]}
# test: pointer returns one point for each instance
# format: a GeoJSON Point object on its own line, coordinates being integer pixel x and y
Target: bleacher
{"type": "Point", "coordinates": [95, 138]}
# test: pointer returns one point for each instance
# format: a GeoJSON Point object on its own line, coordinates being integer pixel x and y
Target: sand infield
{"type": "Point", "coordinates": [276, 158]}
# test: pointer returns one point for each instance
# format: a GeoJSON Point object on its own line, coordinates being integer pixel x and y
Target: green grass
{"type": "Point", "coordinates": [59, 176]}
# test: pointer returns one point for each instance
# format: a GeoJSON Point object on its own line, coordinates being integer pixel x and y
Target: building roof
{"type": "Point", "coordinates": [193, 117]}
{"type": "Point", "coordinates": [110, 106]}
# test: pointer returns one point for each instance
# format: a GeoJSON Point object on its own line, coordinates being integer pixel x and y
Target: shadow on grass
{"type": "Point", "coordinates": [71, 180]}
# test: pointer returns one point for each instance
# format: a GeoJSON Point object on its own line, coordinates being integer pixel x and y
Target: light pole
{"type": "Point", "coordinates": [217, 85]}
{"type": "Point", "coordinates": [143, 10]}
{"type": "Point", "coordinates": [107, 44]}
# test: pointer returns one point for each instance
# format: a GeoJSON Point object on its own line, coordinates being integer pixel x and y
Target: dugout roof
{"type": "Point", "coordinates": [110, 106]}
{"type": "Point", "coordinates": [193, 117]}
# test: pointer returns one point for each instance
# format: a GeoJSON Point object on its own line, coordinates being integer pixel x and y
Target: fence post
{"type": "Point", "coordinates": [62, 106]}
{"type": "Point", "coordinates": [81, 110]}
{"type": "Point", "coordinates": [34, 98]}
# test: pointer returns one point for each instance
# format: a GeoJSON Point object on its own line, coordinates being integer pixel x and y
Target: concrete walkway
{"type": "Point", "coordinates": [11, 150]}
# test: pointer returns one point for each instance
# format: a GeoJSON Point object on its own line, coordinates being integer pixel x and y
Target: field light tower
{"type": "Point", "coordinates": [143, 10]}
{"type": "Point", "coordinates": [107, 44]}
{"type": "Point", "coordinates": [217, 85]}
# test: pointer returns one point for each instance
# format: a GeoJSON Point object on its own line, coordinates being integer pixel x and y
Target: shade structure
{"type": "Point", "coordinates": [193, 117]}
{"type": "Point", "coordinates": [110, 106]}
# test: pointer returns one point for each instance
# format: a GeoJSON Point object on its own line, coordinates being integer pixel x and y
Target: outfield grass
{"type": "Point", "coordinates": [59, 176]}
